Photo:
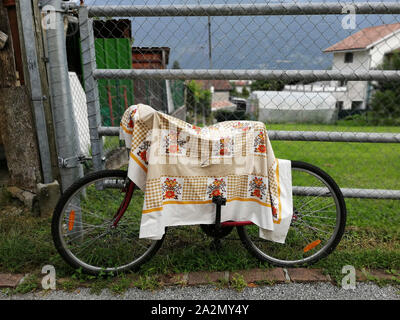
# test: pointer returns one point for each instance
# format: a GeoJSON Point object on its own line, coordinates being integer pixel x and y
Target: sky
{"type": "Point", "coordinates": [246, 42]}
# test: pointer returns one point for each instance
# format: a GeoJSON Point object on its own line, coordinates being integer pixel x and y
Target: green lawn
{"type": "Point", "coordinates": [352, 165]}
{"type": "Point", "coordinates": [372, 238]}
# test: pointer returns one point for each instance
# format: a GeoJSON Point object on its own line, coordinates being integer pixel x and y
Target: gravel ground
{"type": "Point", "coordinates": [291, 291]}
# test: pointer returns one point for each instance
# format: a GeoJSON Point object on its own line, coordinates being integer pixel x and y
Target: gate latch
{"type": "Point", "coordinates": [72, 162]}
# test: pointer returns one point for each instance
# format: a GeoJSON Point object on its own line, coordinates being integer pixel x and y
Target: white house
{"type": "Point", "coordinates": [292, 106]}
{"type": "Point", "coordinates": [362, 51]}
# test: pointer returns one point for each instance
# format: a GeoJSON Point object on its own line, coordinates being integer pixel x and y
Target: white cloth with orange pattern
{"type": "Point", "coordinates": [180, 167]}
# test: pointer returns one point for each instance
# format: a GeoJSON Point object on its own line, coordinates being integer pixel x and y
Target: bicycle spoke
{"type": "Point", "coordinates": [93, 242]}
{"type": "Point", "coordinates": [314, 223]}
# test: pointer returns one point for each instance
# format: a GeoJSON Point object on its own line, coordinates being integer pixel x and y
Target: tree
{"type": "Point", "coordinates": [245, 92]}
{"type": "Point", "coordinates": [267, 85]}
{"type": "Point", "coordinates": [235, 93]}
{"type": "Point", "coordinates": [176, 65]}
{"type": "Point", "coordinates": [198, 101]}
{"type": "Point", "coordinates": [385, 103]}
{"type": "Point", "coordinates": [270, 85]}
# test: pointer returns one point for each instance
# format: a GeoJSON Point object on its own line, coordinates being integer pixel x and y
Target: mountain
{"type": "Point", "coordinates": [245, 42]}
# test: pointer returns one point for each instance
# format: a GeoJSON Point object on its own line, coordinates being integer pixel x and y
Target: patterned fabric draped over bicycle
{"type": "Point", "coordinates": [180, 167]}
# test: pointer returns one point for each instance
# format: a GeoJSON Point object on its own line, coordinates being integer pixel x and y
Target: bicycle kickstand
{"type": "Point", "coordinates": [219, 201]}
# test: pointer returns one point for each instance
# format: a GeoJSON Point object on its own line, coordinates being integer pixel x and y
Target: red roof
{"type": "Point", "coordinates": [364, 38]}
{"type": "Point", "coordinates": [219, 85]}
{"type": "Point", "coordinates": [222, 104]}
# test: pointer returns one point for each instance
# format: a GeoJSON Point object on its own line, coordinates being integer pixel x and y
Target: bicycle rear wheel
{"type": "Point", "coordinates": [319, 218]}
{"type": "Point", "coordinates": [82, 225]}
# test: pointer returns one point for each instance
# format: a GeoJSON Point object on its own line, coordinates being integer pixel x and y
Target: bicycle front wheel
{"type": "Point", "coordinates": [317, 226]}
{"type": "Point", "coordinates": [83, 231]}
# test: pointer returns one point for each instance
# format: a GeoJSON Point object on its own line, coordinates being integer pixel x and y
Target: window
{"type": "Point", "coordinates": [348, 57]}
{"type": "Point", "coordinates": [356, 105]}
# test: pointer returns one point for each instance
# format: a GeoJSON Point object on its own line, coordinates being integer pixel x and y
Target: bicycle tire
{"type": "Point", "coordinates": [87, 185]}
{"type": "Point", "coordinates": [311, 255]}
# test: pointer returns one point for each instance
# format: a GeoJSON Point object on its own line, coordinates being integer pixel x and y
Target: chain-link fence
{"type": "Point", "coordinates": [321, 75]}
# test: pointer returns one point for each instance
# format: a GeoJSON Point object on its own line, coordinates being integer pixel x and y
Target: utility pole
{"type": "Point", "coordinates": [209, 61]}
{"type": "Point", "coordinates": [209, 43]}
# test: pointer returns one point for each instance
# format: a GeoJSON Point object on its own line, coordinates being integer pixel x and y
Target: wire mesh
{"type": "Point", "coordinates": [280, 63]}
{"type": "Point", "coordinates": [80, 114]}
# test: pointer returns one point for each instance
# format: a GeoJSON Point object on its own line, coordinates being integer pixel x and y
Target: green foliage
{"type": "Point", "coordinates": [147, 283]}
{"type": "Point", "coordinates": [198, 101]}
{"type": "Point", "coordinates": [234, 93]}
{"type": "Point", "coordinates": [385, 103]}
{"type": "Point", "coordinates": [245, 92]}
{"type": "Point", "coordinates": [30, 284]}
{"type": "Point", "coordinates": [121, 285]}
{"type": "Point", "coordinates": [385, 106]}
{"type": "Point", "coordinates": [238, 283]}
{"type": "Point", "coordinates": [176, 65]}
{"type": "Point", "coordinates": [359, 120]}
{"type": "Point", "coordinates": [269, 85]}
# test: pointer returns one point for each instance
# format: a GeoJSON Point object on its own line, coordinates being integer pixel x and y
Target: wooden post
{"type": "Point", "coordinates": [16, 119]}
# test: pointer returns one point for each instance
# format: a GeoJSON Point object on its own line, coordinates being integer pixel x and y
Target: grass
{"type": "Point", "coordinates": [371, 240]}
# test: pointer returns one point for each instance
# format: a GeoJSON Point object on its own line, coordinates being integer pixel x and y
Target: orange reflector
{"type": "Point", "coordinates": [312, 245]}
{"type": "Point", "coordinates": [71, 220]}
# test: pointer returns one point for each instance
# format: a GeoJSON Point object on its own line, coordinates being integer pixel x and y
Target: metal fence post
{"type": "Point", "coordinates": [65, 127]}
{"type": "Point", "coordinates": [36, 89]}
{"type": "Point", "coordinates": [91, 89]}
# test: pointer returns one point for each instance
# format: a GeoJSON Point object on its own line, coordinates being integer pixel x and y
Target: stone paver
{"type": "Point", "coordinates": [196, 278]}
{"type": "Point", "coordinates": [8, 280]}
{"type": "Point", "coordinates": [252, 276]}
{"type": "Point", "coordinates": [374, 274]}
{"type": "Point", "coordinates": [174, 279]}
{"type": "Point", "coordinates": [271, 275]}
{"type": "Point", "coordinates": [307, 275]}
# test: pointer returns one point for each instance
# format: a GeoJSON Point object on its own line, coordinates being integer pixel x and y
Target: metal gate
{"type": "Point", "coordinates": [224, 14]}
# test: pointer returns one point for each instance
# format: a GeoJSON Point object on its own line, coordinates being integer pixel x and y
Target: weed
{"type": "Point", "coordinates": [265, 282]}
{"type": "Point", "coordinates": [30, 284]}
{"type": "Point", "coordinates": [379, 281]}
{"type": "Point", "coordinates": [147, 283]}
{"type": "Point", "coordinates": [97, 286]}
{"type": "Point", "coordinates": [6, 291]}
{"type": "Point", "coordinates": [120, 285]}
{"type": "Point", "coordinates": [238, 283]}
{"type": "Point", "coordinates": [221, 283]}
{"type": "Point", "coordinates": [80, 276]}
{"type": "Point", "coordinates": [68, 285]}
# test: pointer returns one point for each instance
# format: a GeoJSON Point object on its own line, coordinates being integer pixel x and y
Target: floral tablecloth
{"type": "Point", "coordinates": [180, 167]}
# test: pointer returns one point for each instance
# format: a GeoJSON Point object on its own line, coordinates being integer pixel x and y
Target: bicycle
{"type": "Point", "coordinates": [96, 223]}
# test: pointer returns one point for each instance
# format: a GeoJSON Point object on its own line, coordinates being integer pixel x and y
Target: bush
{"type": "Point", "coordinates": [385, 103]}
{"type": "Point", "coordinates": [385, 108]}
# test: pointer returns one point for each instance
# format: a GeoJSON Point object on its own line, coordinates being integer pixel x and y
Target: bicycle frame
{"type": "Point", "coordinates": [129, 188]}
